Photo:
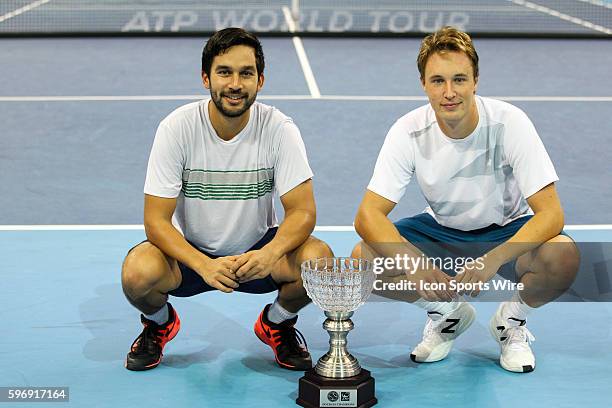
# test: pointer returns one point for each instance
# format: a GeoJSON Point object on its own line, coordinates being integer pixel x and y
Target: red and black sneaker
{"type": "Point", "coordinates": [147, 350]}
{"type": "Point", "coordinates": [288, 344]}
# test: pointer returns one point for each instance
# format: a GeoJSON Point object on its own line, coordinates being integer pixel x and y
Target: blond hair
{"type": "Point", "coordinates": [446, 39]}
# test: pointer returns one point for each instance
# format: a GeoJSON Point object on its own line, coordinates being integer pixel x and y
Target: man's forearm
{"type": "Point", "coordinates": [292, 232]}
{"type": "Point", "coordinates": [166, 237]}
{"type": "Point", "coordinates": [539, 229]}
{"type": "Point", "coordinates": [378, 232]}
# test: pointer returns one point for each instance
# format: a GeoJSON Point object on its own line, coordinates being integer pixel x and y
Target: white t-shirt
{"type": "Point", "coordinates": [224, 189]}
{"type": "Point", "coordinates": [468, 183]}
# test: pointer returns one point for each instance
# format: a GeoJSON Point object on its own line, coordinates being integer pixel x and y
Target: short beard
{"type": "Point", "coordinates": [217, 99]}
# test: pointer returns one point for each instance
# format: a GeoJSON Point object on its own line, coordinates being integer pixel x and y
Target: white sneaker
{"type": "Point", "coordinates": [514, 339]}
{"type": "Point", "coordinates": [441, 331]}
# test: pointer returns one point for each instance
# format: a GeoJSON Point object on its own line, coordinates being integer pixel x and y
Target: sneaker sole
{"type": "Point", "coordinates": [136, 367]}
{"type": "Point", "coordinates": [437, 354]}
{"type": "Point", "coordinates": [516, 369]}
{"type": "Point", "coordinates": [441, 351]}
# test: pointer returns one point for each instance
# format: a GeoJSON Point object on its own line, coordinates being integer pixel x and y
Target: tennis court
{"type": "Point", "coordinates": [79, 114]}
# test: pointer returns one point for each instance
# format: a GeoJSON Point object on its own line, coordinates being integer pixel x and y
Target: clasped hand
{"type": "Point", "coordinates": [227, 272]}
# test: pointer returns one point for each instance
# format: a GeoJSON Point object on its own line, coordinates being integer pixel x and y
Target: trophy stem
{"type": "Point", "coordinates": [338, 362]}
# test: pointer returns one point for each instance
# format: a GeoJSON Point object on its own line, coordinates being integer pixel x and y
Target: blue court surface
{"type": "Point", "coordinates": [69, 325]}
{"type": "Point", "coordinates": [78, 118]}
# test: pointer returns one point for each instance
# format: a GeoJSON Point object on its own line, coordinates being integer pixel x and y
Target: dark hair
{"type": "Point", "coordinates": [222, 40]}
{"type": "Point", "coordinates": [447, 39]}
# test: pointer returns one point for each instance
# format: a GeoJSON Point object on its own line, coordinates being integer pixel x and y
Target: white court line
{"type": "Point", "coordinates": [597, 3]}
{"type": "Point", "coordinates": [112, 98]}
{"type": "Point", "coordinates": [70, 227]}
{"type": "Point", "coordinates": [503, 98]}
{"type": "Point", "coordinates": [555, 98]}
{"type": "Point", "coordinates": [22, 10]}
{"type": "Point", "coordinates": [102, 98]}
{"type": "Point", "coordinates": [588, 227]}
{"type": "Point", "coordinates": [258, 7]}
{"type": "Point", "coordinates": [334, 228]}
{"type": "Point", "coordinates": [301, 53]}
{"type": "Point", "coordinates": [333, 6]}
{"type": "Point", "coordinates": [562, 16]}
{"type": "Point", "coordinates": [320, 228]}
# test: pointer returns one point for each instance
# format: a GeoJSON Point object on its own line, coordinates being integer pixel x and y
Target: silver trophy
{"type": "Point", "coordinates": [338, 286]}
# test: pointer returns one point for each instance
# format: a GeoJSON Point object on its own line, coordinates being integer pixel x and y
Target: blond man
{"type": "Point", "coordinates": [487, 178]}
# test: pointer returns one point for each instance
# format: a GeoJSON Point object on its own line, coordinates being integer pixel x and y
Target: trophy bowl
{"type": "Point", "coordinates": [338, 285]}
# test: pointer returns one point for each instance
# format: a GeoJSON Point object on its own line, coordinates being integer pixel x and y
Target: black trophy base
{"type": "Point", "coordinates": [318, 392]}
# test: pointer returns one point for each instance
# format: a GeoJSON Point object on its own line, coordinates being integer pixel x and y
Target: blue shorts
{"type": "Point", "coordinates": [424, 232]}
{"type": "Point", "coordinates": [193, 284]}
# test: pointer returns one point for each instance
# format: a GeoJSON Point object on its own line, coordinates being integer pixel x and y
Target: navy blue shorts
{"type": "Point", "coordinates": [433, 239]}
{"type": "Point", "coordinates": [193, 284]}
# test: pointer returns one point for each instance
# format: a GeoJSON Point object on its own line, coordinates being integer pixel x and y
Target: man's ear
{"type": "Point", "coordinates": [475, 85]}
{"type": "Point", "coordinates": [205, 80]}
{"type": "Point", "coordinates": [260, 82]}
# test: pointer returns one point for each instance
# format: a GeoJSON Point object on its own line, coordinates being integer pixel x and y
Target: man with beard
{"type": "Point", "coordinates": [209, 211]}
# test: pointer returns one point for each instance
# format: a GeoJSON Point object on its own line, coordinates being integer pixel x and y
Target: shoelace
{"type": "Point", "coordinates": [518, 337]}
{"type": "Point", "coordinates": [147, 343]}
{"type": "Point", "coordinates": [293, 339]}
{"type": "Point", "coordinates": [430, 330]}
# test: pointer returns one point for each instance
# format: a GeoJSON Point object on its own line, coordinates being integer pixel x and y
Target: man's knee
{"type": "Point", "coordinates": [365, 251]}
{"type": "Point", "coordinates": [290, 270]}
{"type": "Point", "coordinates": [143, 268]}
{"type": "Point", "coordinates": [357, 250]}
{"type": "Point", "coordinates": [560, 259]}
{"type": "Point", "coordinates": [315, 248]}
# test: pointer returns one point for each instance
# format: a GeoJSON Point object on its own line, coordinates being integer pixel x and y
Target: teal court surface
{"type": "Point", "coordinates": [67, 324]}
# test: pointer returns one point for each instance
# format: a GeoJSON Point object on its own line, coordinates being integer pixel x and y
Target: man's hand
{"type": "Point", "coordinates": [255, 264]}
{"type": "Point", "coordinates": [220, 273]}
{"type": "Point", "coordinates": [432, 285]}
{"type": "Point", "coordinates": [475, 277]}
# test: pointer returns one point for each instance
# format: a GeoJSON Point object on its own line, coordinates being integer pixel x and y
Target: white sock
{"type": "Point", "coordinates": [515, 308]}
{"type": "Point", "coordinates": [278, 314]}
{"type": "Point", "coordinates": [437, 309]}
{"type": "Point", "coordinates": [160, 317]}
